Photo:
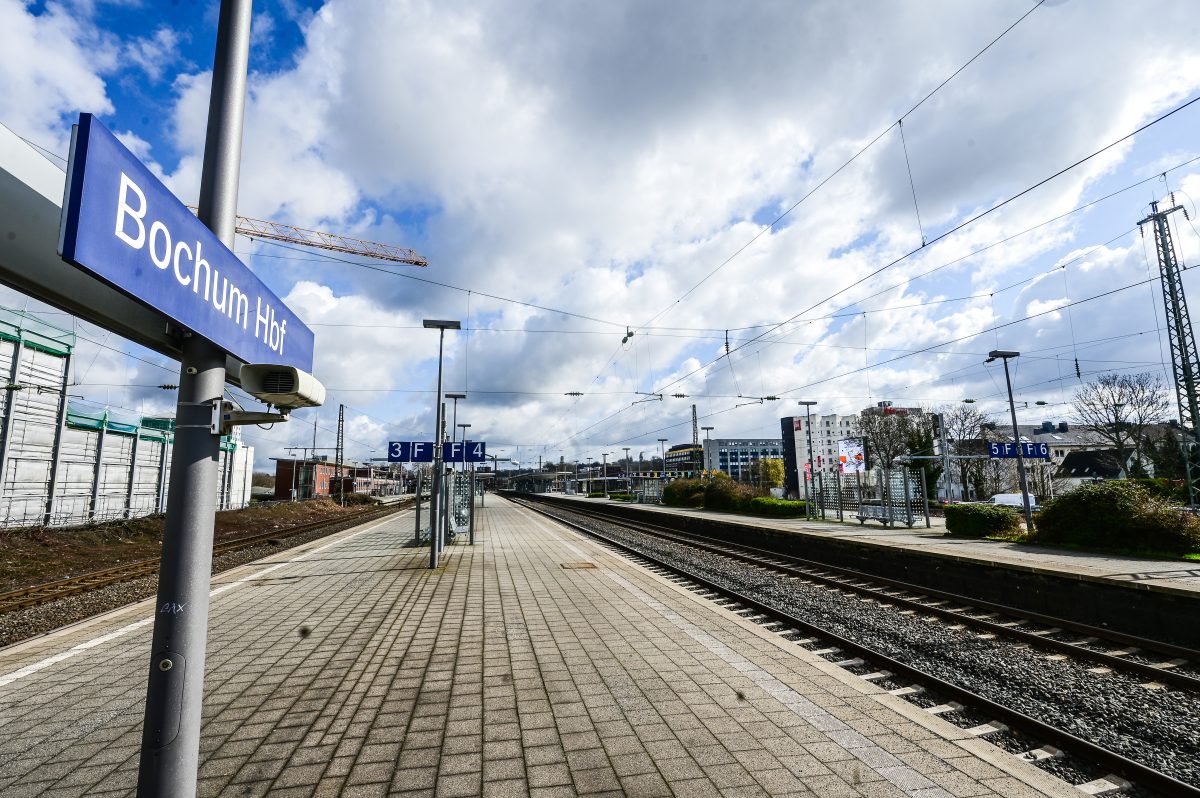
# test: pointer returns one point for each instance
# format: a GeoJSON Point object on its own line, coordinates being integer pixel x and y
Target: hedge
{"type": "Point", "coordinates": [684, 493]}
{"type": "Point", "coordinates": [981, 520]}
{"type": "Point", "coordinates": [596, 494]}
{"type": "Point", "coordinates": [725, 494]}
{"type": "Point", "coordinates": [775, 508]}
{"type": "Point", "coordinates": [1117, 514]}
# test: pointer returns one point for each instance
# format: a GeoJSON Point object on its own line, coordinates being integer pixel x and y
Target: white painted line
{"type": "Point", "coordinates": [29, 670]}
{"type": "Point", "coordinates": [905, 778]}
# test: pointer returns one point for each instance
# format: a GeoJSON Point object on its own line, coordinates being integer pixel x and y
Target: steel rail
{"type": "Point", "coordinates": [763, 557]}
{"type": "Point", "coordinates": [1122, 766]}
{"type": "Point", "coordinates": [1144, 644]}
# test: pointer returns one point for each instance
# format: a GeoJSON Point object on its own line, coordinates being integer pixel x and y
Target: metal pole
{"type": "Point", "coordinates": [819, 485]}
{"type": "Point", "coordinates": [1012, 409]}
{"type": "Point", "coordinates": [837, 475]}
{"type": "Point", "coordinates": [471, 527]}
{"type": "Point", "coordinates": [908, 519]}
{"type": "Point", "coordinates": [925, 497]}
{"type": "Point", "coordinates": [435, 528]}
{"type": "Point", "coordinates": [56, 456]}
{"type": "Point", "coordinates": [417, 532]}
{"type": "Point", "coordinates": [171, 731]}
{"type": "Point", "coordinates": [808, 474]}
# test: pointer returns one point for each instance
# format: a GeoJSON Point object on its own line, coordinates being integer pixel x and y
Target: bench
{"type": "Point", "coordinates": [888, 516]}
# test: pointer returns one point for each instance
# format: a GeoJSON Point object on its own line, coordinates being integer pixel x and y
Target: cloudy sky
{"type": "Point", "coordinates": [692, 172]}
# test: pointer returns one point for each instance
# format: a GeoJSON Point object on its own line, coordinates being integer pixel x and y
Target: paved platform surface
{"type": "Point", "coordinates": [1178, 576]}
{"type": "Point", "coordinates": [533, 663]}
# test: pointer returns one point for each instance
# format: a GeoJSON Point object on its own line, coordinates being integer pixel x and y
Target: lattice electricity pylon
{"type": "Point", "coordinates": [1185, 362]}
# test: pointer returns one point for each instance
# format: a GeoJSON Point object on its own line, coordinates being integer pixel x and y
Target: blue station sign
{"type": "Point", "coordinates": [422, 452]}
{"type": "Point", "coordinates": [1029, 451]}
{"type": "Point", "coordinates": [121, 224]}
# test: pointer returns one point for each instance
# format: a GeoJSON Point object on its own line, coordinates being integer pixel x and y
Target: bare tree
{"type": "Point", "coordinates": [1120, 408]}
{"type": "Point", "coordinates": [887, 435]}
{"type": "Point", "coordinates": [965, 434]}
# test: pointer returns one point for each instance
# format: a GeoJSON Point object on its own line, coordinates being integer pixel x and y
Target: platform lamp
{"type": "Point", "coordinates": [441, 326]}
{"type": "Point", "coordinates": [604, 456]}
{"type": "Point", "coordinates": [1004, 354]}
{"type": "Point", "coordinates": [706, 440]}
{"type": "Point", "coordinates": [454, 413]}
{"type": "Point", "coordinates": [808, 406]}
{"type": "Point", "coordinates": [662, 448]}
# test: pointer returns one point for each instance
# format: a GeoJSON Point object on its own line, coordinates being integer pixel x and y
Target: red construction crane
{"type": "Point", "coordinates": [288, 233]}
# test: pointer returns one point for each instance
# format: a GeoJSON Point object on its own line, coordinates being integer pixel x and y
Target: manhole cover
{"type": "Point", "coordinates": [573, 566]}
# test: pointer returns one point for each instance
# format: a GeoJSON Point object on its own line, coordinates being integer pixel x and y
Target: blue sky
{"type": "Point", "coordinates": [601, 159]}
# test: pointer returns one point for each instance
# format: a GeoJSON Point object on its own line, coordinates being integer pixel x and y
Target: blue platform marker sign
{"type": "Point", "coordinates": [1030, 451]}
{"type": "Point", "coordinates": [422, 452]}
{"type": "Point", "coordinates": [122, 225]}
{"type": "Point", "coordinates": [475, 452]}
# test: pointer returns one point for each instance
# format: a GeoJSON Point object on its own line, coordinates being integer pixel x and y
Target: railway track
{"type": "Point", "coordinates": [52, 591]}
{"type": "Point", "coordinates": [986, 622]}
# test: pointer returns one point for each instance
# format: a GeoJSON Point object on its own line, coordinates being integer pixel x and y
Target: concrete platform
{"type": "Point", "coordinates": [534, 663]}
{"type": "Point", "coordinates": [1181, 577]}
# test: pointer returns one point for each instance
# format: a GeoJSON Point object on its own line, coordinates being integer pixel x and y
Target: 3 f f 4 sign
{"type": "Point", "coordinates": [422, 452]}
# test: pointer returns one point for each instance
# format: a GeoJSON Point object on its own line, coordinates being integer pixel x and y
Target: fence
{"type": "Point", "coordinates": [60, 465]}
{"type": "Point", "coordinates": [891, 496]}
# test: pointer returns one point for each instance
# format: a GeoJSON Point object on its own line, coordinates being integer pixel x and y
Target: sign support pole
{"type": "Point", "coordinates": [171, 732]}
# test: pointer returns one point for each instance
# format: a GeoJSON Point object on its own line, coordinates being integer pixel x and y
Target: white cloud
{"type": "Point", "coordinates": [605, 158]}
{"type": "Point", "coordinates": [51, 65]}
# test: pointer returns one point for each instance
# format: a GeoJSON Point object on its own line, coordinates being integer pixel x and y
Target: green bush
{"type": "Point", "coordinates": [775, 508]}
{"type": "Point", "coordinates": [981, 520]}
{"type": "Point", "coordinates": [357, 498]}
{"type": "Point", "coordinates": [596, 494]}
{"type": "Point", "coordinates": [725, 494]}
{"type": "Point", "coordinates": [1171, 490]}
{"type": "Point", "coordinates": [621, 497]}
{"type": "Point", "coordinates": [1117, 514]}
{"type": "Point", "coordinates": [684, 493]}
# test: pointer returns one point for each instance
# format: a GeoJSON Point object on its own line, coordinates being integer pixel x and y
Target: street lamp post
{"type": "Point", "coordinates": [435, 503]}
{"type": "Point", "coordinates": [604, 456]}
{"type": "Point", "coordinates": [706, 440]}
{"type": "Point", "coordinates": [628, 468]}
{"type": "Point", "coordinates": [808, 406]}
{"type": "Point", "coordinates": [1004, 354]}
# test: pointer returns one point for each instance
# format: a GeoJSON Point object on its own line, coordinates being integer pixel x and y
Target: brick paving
{"type": "Point", "coordinates": [534, 663]}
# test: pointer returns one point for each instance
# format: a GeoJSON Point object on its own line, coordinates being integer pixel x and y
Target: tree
{"type": "Point", "coordinates": [772, 472]}
{"type": "Point", "coordinates": [261, 479]}
{"type": "Point", "coordinates": [920, 442]}
{"type": "Point", "coordinates": [1120, 408]}
{"type": "Point", "coordinates": [1166, 453]}
{"type": "Point", "coordinates": [886, 436]}
{"type": "Point", "coordinates": [965, 436]}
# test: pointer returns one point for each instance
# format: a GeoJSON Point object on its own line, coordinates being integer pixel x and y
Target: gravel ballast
{"type": "Point", "coordinates": [1159, 728]}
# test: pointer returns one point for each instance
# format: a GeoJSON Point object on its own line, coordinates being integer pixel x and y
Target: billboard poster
{"type": "Point", "coordinates": [852, 456]}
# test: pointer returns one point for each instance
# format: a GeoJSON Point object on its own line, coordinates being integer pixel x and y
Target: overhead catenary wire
{"type": "Point", "coordinates": [961, 226]}
{"type": "Point", "coordinates": [788, 211]}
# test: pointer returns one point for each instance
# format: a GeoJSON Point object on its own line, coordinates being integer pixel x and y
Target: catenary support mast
{"type": "Point", "coordinates": [1185, 363]}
